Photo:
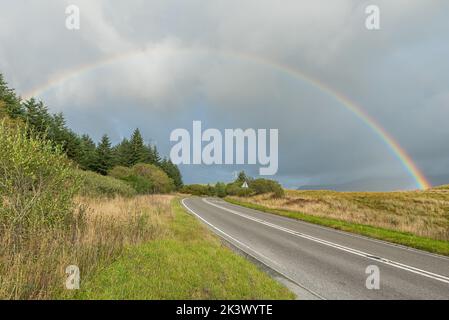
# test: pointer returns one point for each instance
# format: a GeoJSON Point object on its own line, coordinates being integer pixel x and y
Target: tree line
{"type": "Point", "coordinates": [242, 186]}
{"type": "Point", "coordinates": [81, 149]}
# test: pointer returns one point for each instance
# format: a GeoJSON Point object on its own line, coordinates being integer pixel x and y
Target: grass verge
{"type": "Point", "coordinates": [402, 238]}
{"type": "Point", "coordinates": [187, 262]}
{"type": "Point", "coordinates": [33, 265]}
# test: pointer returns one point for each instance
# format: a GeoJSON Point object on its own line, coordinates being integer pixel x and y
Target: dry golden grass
{"type": "Point", "coordinates": [189, 262]}
{"type": "Point", "coordinates": [423, 213]}
{"type": "Point", "coordinates": [32, 265]}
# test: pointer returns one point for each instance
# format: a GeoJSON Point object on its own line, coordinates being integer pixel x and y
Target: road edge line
{"type": "Point", "coordinates": [250, 254]}
{"type": "Point", "coordinates": [363, 254]}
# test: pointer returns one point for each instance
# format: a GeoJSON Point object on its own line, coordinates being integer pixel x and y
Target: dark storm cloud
{"type": "Point", "coordinates": [398, 74]}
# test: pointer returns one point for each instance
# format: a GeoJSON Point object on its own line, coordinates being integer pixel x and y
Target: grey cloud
{"type": "Point", "coordinates": [399, 75]}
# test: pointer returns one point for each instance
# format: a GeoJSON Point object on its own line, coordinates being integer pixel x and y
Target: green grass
{"type": "Point", "coordinates": [189, 263]}
{"type": "Point", "coordinates": [402, 238]}
{"type": "Point", "coordinates": [96, 185]}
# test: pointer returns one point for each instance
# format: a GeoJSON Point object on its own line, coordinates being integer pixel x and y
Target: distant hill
{"type": "Point", "coordinates": [331, 187]}
{"type": "Point", "coordinates": [367, 184]}
{"type": "Point", "coordinates": [378, 184]}
{"type": "Point", "coordinates": [443, 187]}
{"type": "Point", "coordinates": [439, 180]}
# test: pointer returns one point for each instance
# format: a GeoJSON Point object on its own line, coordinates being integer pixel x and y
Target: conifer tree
{"type": "Point", "coordinates": [104, 156]}
{"type": "Point", "coordinates": [36, 116]}
{"type": "Point", "coordinates": [172, 172]}
{"type": "Point", "coordinates": [88, 155]}
{"type": "Point", "coordinates": [242, 177]}
{"type": "Point", "coordinates": [137, 148]}
{"type": "Point", "coordinates": [10, 99]}
{"type": "Point", "coordinates": [122, 153]}
{"type": "Point", "coordinates": [153, 156]}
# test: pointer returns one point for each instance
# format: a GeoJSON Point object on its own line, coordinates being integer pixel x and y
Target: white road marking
{"type": "Point", "coordinates": [250, 254]}
{"type": "Point", "coordinates": [394, 245]}
{"type": "Point", "coordinates": [339, 247]}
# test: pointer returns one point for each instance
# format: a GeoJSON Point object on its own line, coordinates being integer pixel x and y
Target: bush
{"type": "Point", "coordinates": [160, 180]}
{"type": "Point", "coordinates": [198, 190]}
{"type": "Point", "coordinates": [138, 183]}
{"type": "Point", "coordinates": [37, 181]}
{"type": "Point", "coordinates": [120, 172]}
{"type": "Point", "coordinates": [94, 184]}
{"type": "Point", "coordinates": [255, 186]}
{"type": "Point", "coordinates": [220, 190]}
{"type": "Point", "coordinates": [235, 189]}
{"type": "Point", "coordinates": [144, 178]}
{"type": "Point", "coordinates": [259, 186]}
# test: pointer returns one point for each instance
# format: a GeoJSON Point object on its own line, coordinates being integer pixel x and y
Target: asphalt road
{"type": "Point", "coordinates": [322, 263]}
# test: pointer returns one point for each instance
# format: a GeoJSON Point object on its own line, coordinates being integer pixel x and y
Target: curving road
{"type": "Point", "coordinates": [322, 263]}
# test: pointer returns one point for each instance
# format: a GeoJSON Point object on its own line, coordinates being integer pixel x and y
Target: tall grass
{"type": "Point", "coordinates": [186, 261]}
{"type": "Point", "coordinates": [43, 229]}
{"type": "Point", "coordinates": [421, 213]}
{"type": "Point", "coordinates": [98, 234]}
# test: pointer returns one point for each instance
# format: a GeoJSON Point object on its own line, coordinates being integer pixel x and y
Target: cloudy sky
{"type": "Point", "coordinates": [160, 64]}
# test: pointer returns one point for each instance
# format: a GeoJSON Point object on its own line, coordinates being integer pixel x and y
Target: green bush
{"type": "Point", "coordinates": [120, 172]}
{"type": "Point", "coordinates": [235, 189]}
{"type": "Point", "coordinates": [198, 190]}
{"type": "Point", "coordinates": [220, 190]}
{"type": "Point", "coordinates": [138, 183]}
{"type": "Point", "coordinates": [37, 181]}
{"type": "Point", "coordinates": [144, 178]}
{"type": "Point", "coordinates": [260, 186]}
{"type": "Point", "coordinates": [159, 179]}
{"type": "Point", "coordinates": [257, 186]}
{"type": "Point", "coordinates": [94, 184]}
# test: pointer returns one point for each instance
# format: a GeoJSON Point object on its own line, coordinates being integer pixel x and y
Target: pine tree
{"type": "Point", "coordinates": [153, 156]}
{"type": "Point", "coordinates": [242, 177]}
{"type": "Point", "coordinates": [57, 129]}
{"type": "Point", "coordinates": [36, 116]}
{"type": "Point", "coordinates": [104, 156]}
{"type": "Point", "coordinates": [122, 153]}
{"type": "Point", "coordinates": [137, 149]}
{"type": "Point", "coordinates": [172, 172]}
{"type": "Point", "coordinates": [72, 145]}
{"type": "Point", "coordinates": [150, 155]}
{"type": "Point", "coordinates": [88, 156]}
{"type": "Point", "coordinates": [58, 133]}
{"type": "Point", "coordinates": [12, 102]}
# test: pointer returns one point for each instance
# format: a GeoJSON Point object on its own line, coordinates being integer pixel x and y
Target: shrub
{"type": "Point", "coordinates": [235, 189]}
{"type": "Point", "coordinates": [96, 185]}
{"type": "Point", "coordinates": [198, 190]}
{"type": "Point", "coordinates": [37, 181]}
{"type": "Point", "coordinates": [120, 172]}
{"type": "Point", "coordinates": [144, 178]}
{"type": "Point", "coordinates": [259, 186]}
{"type": "Point", "coordinates": [220, 190]}
{"type": "Point", "coordinates": [161, 183]}
{"type": "Point", "coordinates": [138, 183]}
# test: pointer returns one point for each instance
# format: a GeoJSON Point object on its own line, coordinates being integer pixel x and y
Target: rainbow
{"type": "Point", "coordinates": [406, 161]}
